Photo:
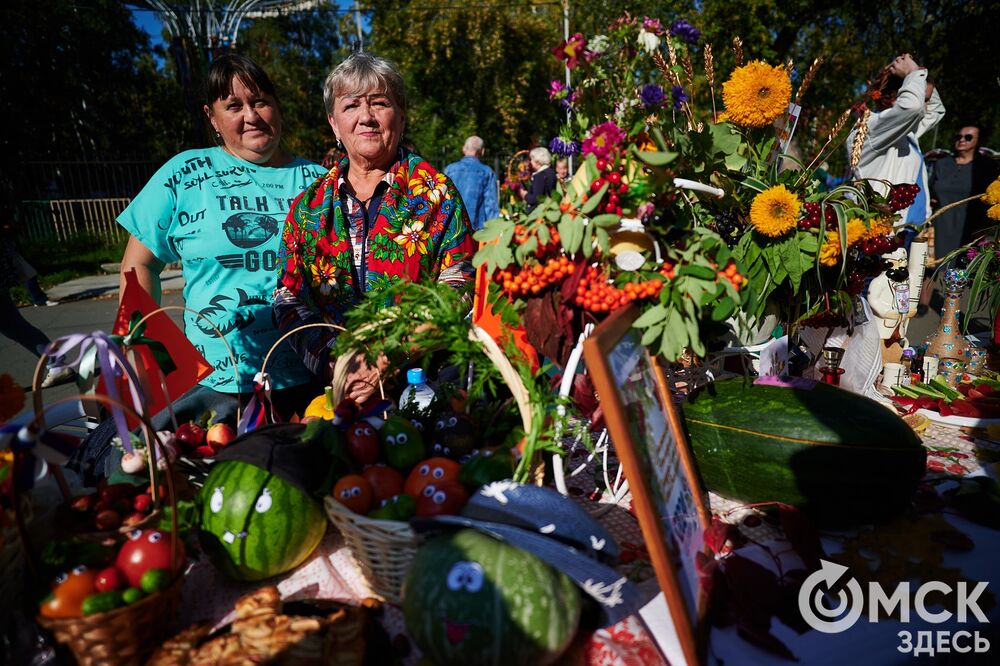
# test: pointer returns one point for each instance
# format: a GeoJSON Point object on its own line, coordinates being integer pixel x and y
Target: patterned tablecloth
{"type": "Point", "coordinates": [332, 574]}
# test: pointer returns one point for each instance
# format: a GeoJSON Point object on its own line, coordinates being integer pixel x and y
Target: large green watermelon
{"type": "Point", "coordinates": [254, 524]}
{"type": "Point", "coordinates": [471, 600]}
{"type": "Point", "coordinates": [839, 455]}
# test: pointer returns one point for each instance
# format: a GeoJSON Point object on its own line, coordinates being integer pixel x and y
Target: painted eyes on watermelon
{"type": "Point", "coordinates": [398, 439]}
{"type": "Point", "coordinates": [263, 502]}
{"type": "Point", "coordinates": [215, 503]}
{"type": "Point", "coordinates": [466, 576]}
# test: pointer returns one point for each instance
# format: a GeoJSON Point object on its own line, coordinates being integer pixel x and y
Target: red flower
{"type": "Point", "coordinates": [571, 50]}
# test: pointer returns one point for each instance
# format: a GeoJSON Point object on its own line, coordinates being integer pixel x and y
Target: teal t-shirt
{"type": "Point", "coordinates": [222, 218]}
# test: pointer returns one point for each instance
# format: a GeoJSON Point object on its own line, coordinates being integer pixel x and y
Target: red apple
{"type": "Point", "coordinates": [190, 435]}
{"type": "Point", "coordinates": [219, 435]}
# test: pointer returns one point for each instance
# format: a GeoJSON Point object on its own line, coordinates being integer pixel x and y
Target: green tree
{"type": "Point", "coordinates": [79, 80]}
{"type": "Point", "coordinates": [482, 69]}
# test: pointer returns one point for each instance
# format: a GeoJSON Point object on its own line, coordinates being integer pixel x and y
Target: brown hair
{"type": "Point", "coordinates": [219, 82]}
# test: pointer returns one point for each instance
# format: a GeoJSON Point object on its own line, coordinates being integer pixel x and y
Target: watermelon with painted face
{"type": "Point", "coordinates": [258, 515]}
{"type": "Point", "coordinates": [470, 599]}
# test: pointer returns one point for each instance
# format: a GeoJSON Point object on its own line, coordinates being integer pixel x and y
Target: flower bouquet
{"type": "Point", "coordinates": [695, 214]}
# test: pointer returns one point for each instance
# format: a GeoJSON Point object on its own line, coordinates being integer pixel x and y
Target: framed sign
{"type": "Point", "coordinates": [648, 436]}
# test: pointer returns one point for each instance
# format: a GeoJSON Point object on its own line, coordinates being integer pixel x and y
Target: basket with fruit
{"type": "Point", "coordinates": [110, 604]}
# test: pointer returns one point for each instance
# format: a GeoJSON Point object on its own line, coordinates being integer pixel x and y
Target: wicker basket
{"type": "Point", "coordinates": [126, 635]}
{"type": "Point", "coordinates": [121, 637]}
{"type": "Point", "coordinates": [383, 549]}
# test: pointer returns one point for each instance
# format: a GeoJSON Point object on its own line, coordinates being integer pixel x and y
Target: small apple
{"type": "Point", "coordinates": [190, 435]}
{"type": "Point", "coordinates": [219, 435]}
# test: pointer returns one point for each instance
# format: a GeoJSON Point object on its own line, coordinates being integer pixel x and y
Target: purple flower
{"type": "Point", "coordinates": [685, 31]}
{"type": "Point", "coordinates": [971, 253]}
{"type": "Point", "coordinates": [651, 96]}
{"type": "Point", "coordinates": [679, 96]}
{"type": "Point", "coordinates": [564, 147]}
{"type": "Point", "coordinates": [652, 25]}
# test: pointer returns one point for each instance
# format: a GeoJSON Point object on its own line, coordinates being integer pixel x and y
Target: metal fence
{"type": "Point", "coordinates": [61, 219]}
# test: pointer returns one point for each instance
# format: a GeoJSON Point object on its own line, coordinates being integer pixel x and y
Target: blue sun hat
{"type": "Point", "coordinates": [554, 529]}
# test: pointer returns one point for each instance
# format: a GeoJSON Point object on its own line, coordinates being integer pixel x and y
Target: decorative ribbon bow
{"type": "Point", "coordinates": [136, 336]}
{"type": "Point", "coordinates": [259, 409]}
{"type": "Point", "coordinates": [99, 353]}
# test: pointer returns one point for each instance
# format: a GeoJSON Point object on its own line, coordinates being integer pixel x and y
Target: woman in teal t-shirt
{"type": "Point", "coordinates": [219, 212]}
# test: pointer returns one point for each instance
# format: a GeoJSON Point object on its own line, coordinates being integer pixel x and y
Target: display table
{"type": "Point", "coordinates": [647, 638]}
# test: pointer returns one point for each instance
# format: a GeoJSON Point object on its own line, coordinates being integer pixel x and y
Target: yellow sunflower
{"type": "Point", "coordinates": [992, 196]}
{"type": "Point", "coordinates": [433, 186]}
{"type": "Point", "coordinates": [413, 238]}
{"type": "Point", "coordinates": [829, 253]}
{"type": "Point", "coordinates": [994, 212]}
{"type": "Point", "coordinates": [756, 94]}
{"type": "Point", "coordinates": [775, 211]}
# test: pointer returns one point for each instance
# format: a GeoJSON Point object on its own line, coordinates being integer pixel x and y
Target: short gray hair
{"type": "Point", "coordinates": [361, 73]}
{"type": "Point", "coordinates": [541, 155]}
{"type": "Point", "coordinates": [472, 145]}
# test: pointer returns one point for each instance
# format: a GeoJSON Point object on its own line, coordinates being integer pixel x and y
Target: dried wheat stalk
{"type": "Point", "coordinates": [859, 138]}
{"type": "Point", "coordinates": [738, 51]}
{"type": "Point", "coordinates": [808, 79]}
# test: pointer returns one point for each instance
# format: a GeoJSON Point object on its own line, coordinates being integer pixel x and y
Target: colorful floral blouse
{"type": "Point", "coordinates": [421, 229]}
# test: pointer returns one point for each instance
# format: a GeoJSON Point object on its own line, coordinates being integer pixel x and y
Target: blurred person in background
{"type": "Point", "coordinates": [956, 177]}
{"type": "Point", "coordinates": [476, 182]}
{"type": "Point", "coordinates": [543, 178]}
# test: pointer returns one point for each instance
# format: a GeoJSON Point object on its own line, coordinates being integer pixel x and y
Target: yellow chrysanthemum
{"type": "Point", "coordinates": [856, 231]}
{"type": "Point", "coordinates": [413, 238]}
{"type": "Point", "coordinates": [775, 211]}
{"type": "Point", "coordinates": [992, 196]}
{"type": "Point", "coordinates": [432, 186]}
{"type": "Point", "coordinates": [879, 227]}
{"type": "Point", "coordinates": [756, 94]}
{"type": "Point", "coordinates": [994, 212]}
{"type": "Point", "coordinates": [829, 253]}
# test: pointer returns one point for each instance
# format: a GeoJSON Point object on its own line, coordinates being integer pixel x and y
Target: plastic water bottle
{"type": "Point", "coordinates": [417, 393]}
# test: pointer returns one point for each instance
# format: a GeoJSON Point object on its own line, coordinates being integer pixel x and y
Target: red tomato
{"type": "Point", "coordinates": [431, 471]}
{"type": "Point", "coordinates": [145, 550]}
{"type": "Point", "coordinates": [219, 435]}
{"type": "Point", "coordinates": [354, 492]}
{"type": "Point", "coordinates": [68, 593]}
{"type": "Point", "coordinates": [446, 498]}
{"type": "Point", "coordinates": [109, 579]}
{"type": "Point", "coordinates": [362, 442]}
{"type": "Point", "coordinates": [385, 482]}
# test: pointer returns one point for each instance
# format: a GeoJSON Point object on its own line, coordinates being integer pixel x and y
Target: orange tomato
{"type": "Point", "coordinates": [354, 492]}
{"type": "Point", "coordinates": [385, 482]}
{"type": "Point", "coordinates": [431, 471]}
{"type": "Point", "coordinates": [68, 593]}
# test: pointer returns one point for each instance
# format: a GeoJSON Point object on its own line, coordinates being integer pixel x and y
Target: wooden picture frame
{"type": "Point", "coordinates": [648, 436]}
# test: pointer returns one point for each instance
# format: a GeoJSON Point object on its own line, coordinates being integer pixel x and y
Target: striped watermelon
{"type": "Point", "coordinates": [255, 525]}
{"type": "Point", "coordinates": [837, 454]}
{"type": "Point", "coordinates": [470, 599]}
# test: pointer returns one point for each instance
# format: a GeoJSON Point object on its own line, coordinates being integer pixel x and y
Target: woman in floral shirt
{"type": "Point", "coordinates": [381, 215]}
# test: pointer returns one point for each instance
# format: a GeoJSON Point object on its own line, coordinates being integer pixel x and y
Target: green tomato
{"type": "Point", "coordinates": [399, 507]}
{"type": "Point", "coordinates": [486, 467]}
{"type": "Point", "coordinates": [402, 443]}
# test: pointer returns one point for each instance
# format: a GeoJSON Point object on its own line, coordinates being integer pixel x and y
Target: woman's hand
{"type": "Point", "coordinates": [903, 65]}
{"type": "Point", "coordinates": [362, 378]}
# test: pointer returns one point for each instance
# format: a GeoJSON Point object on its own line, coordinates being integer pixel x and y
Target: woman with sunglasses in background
{"type": "Point", "coordinates": [957, 177]}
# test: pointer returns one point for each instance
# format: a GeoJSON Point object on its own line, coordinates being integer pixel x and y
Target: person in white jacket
{"type": "Point", "coordinates": [892, 150]}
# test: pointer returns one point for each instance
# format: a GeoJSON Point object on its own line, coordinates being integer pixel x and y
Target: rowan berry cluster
{"type": "Point", "coordinates": [523, 233]}
{"type": "Point", "coordinates": [532, 280]}
{"type": "Point", "coordinates": [730, 273]}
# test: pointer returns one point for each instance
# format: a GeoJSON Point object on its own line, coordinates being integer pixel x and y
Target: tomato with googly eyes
{"type": "Point", "coordinates": [145, 550]}
{"type": "Point", "coordinates": [402, 443]}
{"type": "Point", "coordinates": [441, 499]}
{"type": "Point", "coordinates": [431, 471]}
{"type": "Point", "coordinates": [354, 492]}
{"type": "Point", "coordinates": [362, 443]}
{"type": "Point", "coordinates": [68, 592]}
{"type": "Point", "coordinates": [385, 481]}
